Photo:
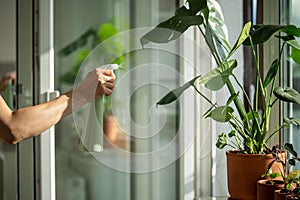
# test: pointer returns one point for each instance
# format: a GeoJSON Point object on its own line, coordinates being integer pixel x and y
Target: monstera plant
{"type": "Point", "coordinates": [250, 126]}
{"type": "Point", "coordinates": [249, 122]}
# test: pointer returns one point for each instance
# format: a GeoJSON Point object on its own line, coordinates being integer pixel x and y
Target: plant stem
{"type": "Point", "coordinates": [215, 55]}
{"type": "Point", "coordinates": [202, 95]}
{"type": "Point", "coordinates": [238, 103]}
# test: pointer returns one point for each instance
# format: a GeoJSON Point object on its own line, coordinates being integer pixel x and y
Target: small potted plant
{"type": "Point", "coordinates": [293, 180]}
{"type": "Point", "coordinates": [289, 177]}
{"type": "Point", "coordinates": [250, 125]}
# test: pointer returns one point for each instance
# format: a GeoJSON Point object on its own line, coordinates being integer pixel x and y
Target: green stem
{"type": "Point", "coordinates": [250, 105]}
{"type": "Point", "coordinates": [274, 133]}
{"type": "Point", "coordinates": [202, 95]}
{"type": "Point", "coordinates": [215, 55]}
{"type": "Point", "coordinates": [238, 103]}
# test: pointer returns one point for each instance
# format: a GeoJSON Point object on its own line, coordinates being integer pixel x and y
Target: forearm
{"type": "Point", "coordinates": [31, 121]}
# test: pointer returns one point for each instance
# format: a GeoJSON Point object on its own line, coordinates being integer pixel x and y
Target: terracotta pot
{"type": "Point", "coordinates": [265, 189]}
{"type": "Point", "coordinates": [243, 172]}
{"type": "Point", "coordinates": [279, 195]}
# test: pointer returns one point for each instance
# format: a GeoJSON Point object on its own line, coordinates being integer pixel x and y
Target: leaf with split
{"type": "Point", "coordinates": [174, 94]}
{"type": "Point", "coordinates": [271, 73]}
{"type": "Point", "coordinates": [287, 94]}
{"type": "Point", "coordinates": [172, 28]}
{"type": "Point", "coordinates": [218, 77]}
{"type": "Point", "coordinates": [221, 114]}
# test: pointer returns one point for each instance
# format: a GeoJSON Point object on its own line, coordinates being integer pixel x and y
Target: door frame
{"type": "Point", "coordinates": [35, 72]}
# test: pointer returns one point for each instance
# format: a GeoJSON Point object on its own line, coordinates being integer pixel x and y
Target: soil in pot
{"type": "Point", "coordinates": [243, 172]}
{"type": "Point", "coordinates": [266, 189]}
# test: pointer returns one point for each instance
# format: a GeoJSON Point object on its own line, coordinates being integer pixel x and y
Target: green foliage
{"type": "Point", "coordinates": [290, 177]}
{"type": "Point", "coordinates": [250, 130]}
{"type": "Point", "coordinates": [85, 43]}
{"type": "Point", "coordinates": [111, 52]}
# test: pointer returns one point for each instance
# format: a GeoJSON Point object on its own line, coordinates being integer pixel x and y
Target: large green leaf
{"type": "Point", "coordinates": [221, 114]}
{"type": "Point", "coordinates": [287, 94]}
{"type": "Point", "coordinates": [243, 36]}
{"type": "Point", "coordinates": [290, 148]}
{"type": "Point", "coordinates": [218, 77]}
{"type": "Point", "coordinates": [174, 94]}
{"type": "Point", "coordinates": [172, 28]}
{"type": "Point", "coordinates": [291, 30]}
{"type": "Point", "coordinates": [295, 55]}
{"type": "Point", "coordinates": [271, 73]}
{"type": "Point", "coordinates": [262, 33]}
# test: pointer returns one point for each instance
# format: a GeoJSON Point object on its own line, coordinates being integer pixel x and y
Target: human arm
{"type": "Point", "coordinates": [23, 123]}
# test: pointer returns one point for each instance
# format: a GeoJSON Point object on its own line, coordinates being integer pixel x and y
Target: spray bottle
{"type": "Point", "coordinates": [92, 136]}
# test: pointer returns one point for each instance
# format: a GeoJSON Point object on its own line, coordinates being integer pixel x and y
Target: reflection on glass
{"type": "Point", "coordinates": [295, 19]}
{"type": "Point", "coordinates": [100, 32]}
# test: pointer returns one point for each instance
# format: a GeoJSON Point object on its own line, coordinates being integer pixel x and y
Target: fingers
{"type": "Point", "coordinates": [98, 82]}
{"type": "Point", "coordinates": [106, 79]}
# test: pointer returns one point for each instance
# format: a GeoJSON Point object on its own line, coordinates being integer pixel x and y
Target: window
{"type": "Point", "coordinates": [291, 73]}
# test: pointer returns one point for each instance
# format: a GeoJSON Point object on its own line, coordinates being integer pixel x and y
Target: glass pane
{"type": "Point", "coordinates": [290, 15]}
{"type": "Point", "coordinates": [139, 154]}
{"type": "Point", "coordinates": [294, 17]}
{"type": "Point", "coordinates": [8, 153]}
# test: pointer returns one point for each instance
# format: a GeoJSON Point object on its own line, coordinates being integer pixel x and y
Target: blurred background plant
{"type": "Point", "coordinates": [110, 51]}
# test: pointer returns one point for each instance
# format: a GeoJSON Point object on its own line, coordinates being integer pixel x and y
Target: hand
{"type": "Point", "coordinates": [97, 82]}
{"type": "Point", "coordinates": [6, 78]}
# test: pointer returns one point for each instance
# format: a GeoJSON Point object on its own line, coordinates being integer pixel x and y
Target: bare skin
{"type": "Point", "coordinates": [28, 122]}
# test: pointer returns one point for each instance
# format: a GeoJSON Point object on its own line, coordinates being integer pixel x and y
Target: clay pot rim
{"type": "Point", "coordinates": [264, 181]}
{"type": "Point", "coordinates": [237, 153]}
